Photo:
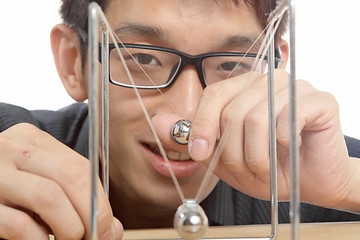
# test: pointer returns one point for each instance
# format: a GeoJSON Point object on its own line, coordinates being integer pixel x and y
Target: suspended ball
{"type": "Point", "coordinates": [190, 220]}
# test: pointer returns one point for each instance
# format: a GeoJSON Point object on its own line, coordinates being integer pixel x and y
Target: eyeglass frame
{"type": "Point", "coordinates": [185, 60]}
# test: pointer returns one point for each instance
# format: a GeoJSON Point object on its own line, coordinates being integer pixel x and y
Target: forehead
{"type": "Point", "coordinates": [185, 22]}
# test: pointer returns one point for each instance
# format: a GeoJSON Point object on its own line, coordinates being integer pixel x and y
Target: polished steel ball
{"type": "Point", "coordinates": [190, 220]}
{"type": "Point", "coordinates": [181, 131]}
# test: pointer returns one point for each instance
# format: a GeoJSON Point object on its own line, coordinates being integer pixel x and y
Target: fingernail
{"type": "Point", "coordinates": [109, 234]}
{"type": "Point", "coordinates": [199, 149]}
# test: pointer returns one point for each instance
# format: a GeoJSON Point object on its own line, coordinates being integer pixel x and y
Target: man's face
{"type": "Point", "coordinates": [137, 170]}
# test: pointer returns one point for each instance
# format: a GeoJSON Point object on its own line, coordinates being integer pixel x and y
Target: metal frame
{"type": "Point", "coordinates": [294, 150]}
{"type": "Point", "coordinates": [97, 21]}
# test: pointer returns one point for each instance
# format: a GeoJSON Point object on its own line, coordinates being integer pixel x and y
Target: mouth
{"type": "Point", "coordinates": [181, 163]}
{"type": "Point", "coordinates": [171, 155]}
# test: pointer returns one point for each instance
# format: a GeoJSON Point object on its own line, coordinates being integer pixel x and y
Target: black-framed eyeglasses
{"type": "Point", "coordinates": [154, 67]}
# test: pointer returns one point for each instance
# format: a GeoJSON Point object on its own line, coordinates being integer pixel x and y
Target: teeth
{"type": "Point", "coordinates": [184, 157]}
{"type": "Point", "coordinates": [175, 156]}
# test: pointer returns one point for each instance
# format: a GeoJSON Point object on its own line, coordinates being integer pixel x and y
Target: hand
{"type": "Point", "coordinates": [241, 105]}
{"type": "Point", "coordinates": [45, 189]}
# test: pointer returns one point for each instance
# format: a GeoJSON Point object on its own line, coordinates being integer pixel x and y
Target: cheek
{"type": "Point", "coordinates": [128, 127]}
{"type": "Point", "coordinates": [126, 115]}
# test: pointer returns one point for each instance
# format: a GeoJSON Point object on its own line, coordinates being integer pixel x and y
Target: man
{"type": "Point", "coordinates": [44, 184]}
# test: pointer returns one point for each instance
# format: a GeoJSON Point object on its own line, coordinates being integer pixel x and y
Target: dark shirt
{"type": "Point", "coordinates": [224, 206]}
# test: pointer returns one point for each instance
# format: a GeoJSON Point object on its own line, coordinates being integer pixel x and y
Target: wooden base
{"type": "Point", "coordinates": [311, 231]}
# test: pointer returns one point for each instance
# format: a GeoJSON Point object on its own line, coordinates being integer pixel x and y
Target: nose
{"type": "Point", "coordinates": [185, 93]}
{"type": "Point", "coordinates": [179, 102]}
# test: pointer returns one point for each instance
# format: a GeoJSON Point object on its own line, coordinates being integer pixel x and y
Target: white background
{"type": "Point", "coordinates": [328, 51]}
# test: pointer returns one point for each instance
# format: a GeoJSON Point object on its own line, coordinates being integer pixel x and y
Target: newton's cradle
{"type": "Point", "coordinates": [190, 220]}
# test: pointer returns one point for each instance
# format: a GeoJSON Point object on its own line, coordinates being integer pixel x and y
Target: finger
{"type": "Point", "coordinates": [257, 130]}
{"type": "Point", "coordinates": [205, 125]}
{"type": "Point", "coordinates": [68, 169]}
{"type": "Point", "coordinates": [15, 224]}
{"type": "Point", "coordinates": [116, 231]}
{"type": "Point", "coordinates": [72, 174]}
{"type": "Point", "coordinates": [233, 116]}
{"type": "Point", "coordinates": [33, 215]}
{"type": "Point", "coordinates": [47, 199]}
{"type": "Point", "coordinates": [316, 112]}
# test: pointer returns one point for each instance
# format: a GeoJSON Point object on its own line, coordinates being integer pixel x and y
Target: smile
{"type": "Point", "coordinates": [171, 155]}
{"type": "Point", "coordinates": [181, 163]}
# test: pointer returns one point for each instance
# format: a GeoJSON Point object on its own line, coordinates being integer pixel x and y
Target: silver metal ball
{"type": "Point", "coordinates": [181, 131]}
{"type": "Point", "coordinates": [190, 220]}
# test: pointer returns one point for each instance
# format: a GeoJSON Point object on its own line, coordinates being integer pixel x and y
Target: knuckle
{"type": "Point", "coordinates": [227, 116]}
{"type": "Point", "coordinates": [75, 234]}
{"type": "Point", "coordinates": [247, 80]}
{"type": "Point", "coordinates": [17, 221]}
{"type": "Point", "coordinates": [75, 172]}
{"type": "Point", "coordinates": [25, 128]}
{"type": "Point", "coordinates": [35, 135]}
{"type": "Point", "coordinates": [232, 122]}
{"type": "Point", "coordinates": [254, 119]}
{"type": "Point", "coordinates": [26, 132]}
{"type": "Point", "coordinates": [329, 97]}
{"type": "Point", "coordinates": [254, 74]}
{"type": "Point", "coordinates": [47, 194]}
{"type": "Point", "coordinates": [31, 134]}
{"type": "Point", "coordinates": [212, 89]}
{"type": "Point", "coordinates": [258, 165]}
{"type": "Point", "coordinates": [304, 84]}
{"type": "Point", "coordinates": [221, 91]}
{"type": "Point", "coordinates": [20, 131]}
{"type": "Point", "coordinates": [250, 77]}
{"type": "Point", "coordinates": [281, 74]}
{"type": "Point", "coordinates": [331, 100]}
{"type": "Point", "coordinates": [259, 82]}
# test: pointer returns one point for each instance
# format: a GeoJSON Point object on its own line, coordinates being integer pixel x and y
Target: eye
{"type": "Point", "coordinates": [233, 66]}
{"type": "Point", "coordinates": [146, 59]}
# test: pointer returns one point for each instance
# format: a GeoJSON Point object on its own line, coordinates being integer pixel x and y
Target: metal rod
{"type": "Point", "coordinates": [93, 116]}
{"type": "Point", "coordinates": [272, 140]}
{"type": "Point", "coordinates": [105, 108]}
{"type": "Point", "coordinates": [294, 152]}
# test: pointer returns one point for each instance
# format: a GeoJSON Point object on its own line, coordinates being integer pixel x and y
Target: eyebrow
{"type": "Point", "coordinates": [241, 41]}
{"type": "Point", "coordinates": [132, 29]}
